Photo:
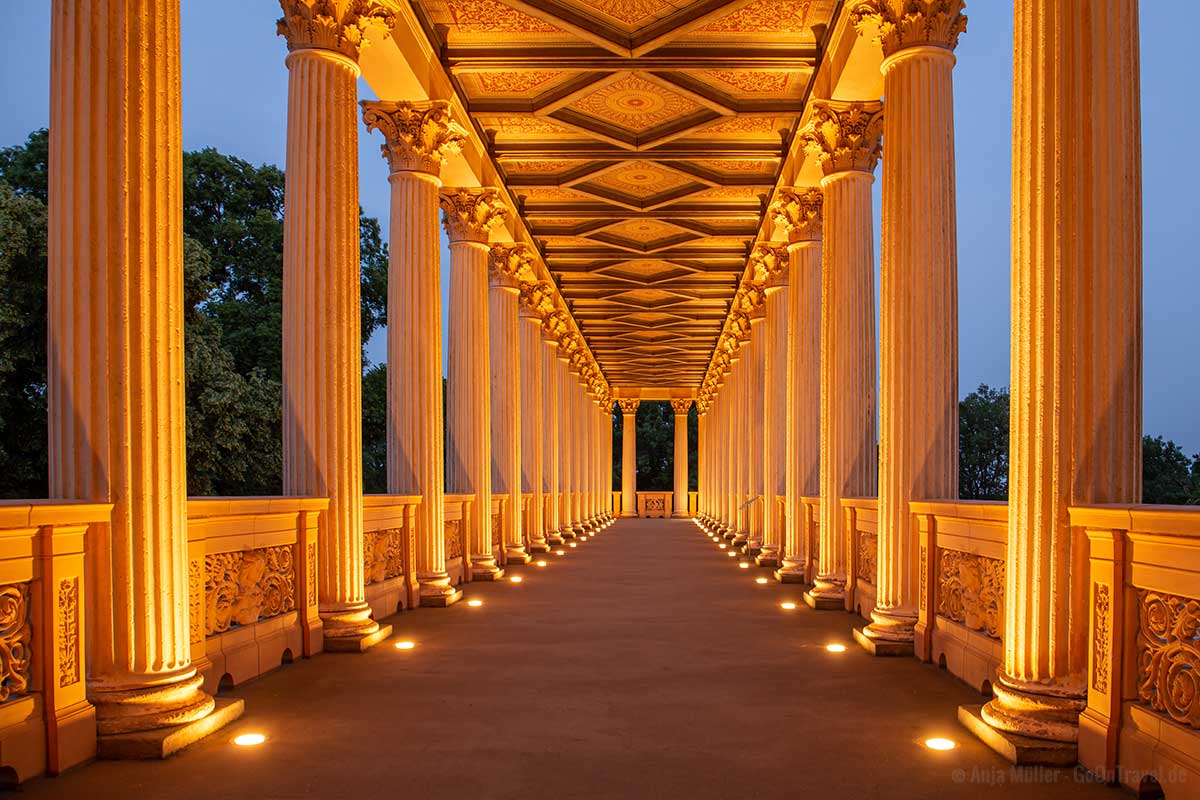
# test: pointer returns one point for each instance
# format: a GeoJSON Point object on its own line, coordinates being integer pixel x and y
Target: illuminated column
{"type": "Point", "coordinates": [533, 298]}
{"type": "Point", "coordinates": [918, 419]}
{"type": "Point", "coordinates": [733, 388]}
{"type": "Point", "coordinates": [566, 438]}
{"type": "Point", "coordinates": [418, 138]}
{"type": "Point", "coordinates": [771, 272]}
{"type": "Point", "coordinates": [115, 366]}
{"type": "Point", "coordinates": [753, 418]}
{"type": "Point", "coordinates": [552, 325]}
{"type": "Point", "coordinates": [701, 458]}
{"type": "Point", "coordinates": [798, 213]}
{"type": "Point", "coordinates": [1076, 350]}
{"type": "Point", "coordinates": [844, 137]}
{"type": "Point", "coordinates": [508, 266]}
{"type": "Point", "coordinates": [680, 407]}
{"type": "Point", "coordinates": [629, 409]}
{"type": "Point", "coordinates": [469, 216]}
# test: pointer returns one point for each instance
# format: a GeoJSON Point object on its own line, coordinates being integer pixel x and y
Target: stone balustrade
{"type": "Point", "coordinates": [46, 722]}
{"type": "Point", "coordinates": [1142, 601]}
{"type": "Point", "coordinates": [860, 524]}
{"type": "Point", "coordinates": [810, 533]}
{"type": "Point", "coordinates": [961, 563]}
{"type": "Point", "coordinates": [389, 552]}
{"type": "Point", "coordinates": [459, 508]}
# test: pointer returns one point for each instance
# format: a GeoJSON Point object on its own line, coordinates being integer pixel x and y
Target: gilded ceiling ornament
{"type": "Point", "coordinates": [628, 405]}
{"type": "Point", "coordinates": [510, 265]}
{"type": "Point", "coordinates": [470, 215]}
{"type": "Point", "coordinates": [899, 24]}
{"type": "Point", "coordinates": [845, 137]}
{"type": "Point", "coordinates": [764, 16]}
{"type": "Point", "coordinates": [418, 137]}
{"type": "Point", "coordinates": [681, 406]}
{"type": "Point", "coordinates": [799, 212]}
{"type": "Point", "coordinates": [490, 16]}
{"type": "Point", "coordinates": [769, 263]}
{"type": "Point", "coordinates": [338, 25]}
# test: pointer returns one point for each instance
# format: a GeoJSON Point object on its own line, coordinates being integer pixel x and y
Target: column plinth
{"type": "Point", "coordinates": [680, 407]}
{"type": "Point", "coordinates": [628, 457]}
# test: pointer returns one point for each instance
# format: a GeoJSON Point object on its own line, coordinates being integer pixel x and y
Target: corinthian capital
{"type": "Point", "coordinates": [628, 405]}
{"type": "Point", "coordinates": [338, 25]}
{"type": "Point", "coordinates": [898, 24]}
{"type": "Point", "coordinates": [510, 265]}
{"type": "Point", "coordinates": [798, 211]}
{"type": "Point", "coordinates": [536, 299]}
{"type": "Point", "coordinates": [768, 265]}
{"type": "Point", "coordinates": [554, 325]}
{"type": "Point", "coordinates": [470, 215]}
{"type": "Point", "coordinates": [845, 137]}
{"type": "Point", "coordinates": [681, 406]}
{"type": "Point", "coordinates": [749, 299]}
{"type": "Point", "coordinates": [418, 137]}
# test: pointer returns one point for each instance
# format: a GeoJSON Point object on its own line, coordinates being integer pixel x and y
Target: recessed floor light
{"type": "Point", "coordinates": [541, 563]}
{"type": "Point", "coordinates": [760, 581]}
{"type": "Point", "coordinates": [474, 603]}
{"type": "Point", "coordinates": [744, 565]}
{"type": "Point", "coordinates": [249, 739]}
{"type": "Point", "coordinates": [404, 645]}
{"type": "Point", "coordinates": [516, 579]}
{"type": "Point", "coordinates": [731, 554]}
{"type": "Point", "coordinates": [836, 648]}
{"type": "Point", "coordinates": [938, 743]}
{"type": "Point", "coordinates": [560, 552]}
{"type": "Point", "coordinates": [583, 538]}
{"type": "Point", "coordinates": [788, 606]}
{"type": "Point", "coordinates": [722, 546]}
{"type": "Point", "coordinates": [572, 544]}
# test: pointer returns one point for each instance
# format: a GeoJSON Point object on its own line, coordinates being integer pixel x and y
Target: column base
{"type": "Point", "coordinates": [441, 600]}
{"type": "Point", "coordinates": [517, 555]}
{"type": "Point", "coordinates": [1015, 748]}
{"type": "Point", "coordinates": [791, 573]}
{"type": "Point", "coordinates": [162, 742]}
{"type": "Point", "coordinates": [767, 557]}
{"type": "Point", "coordinates": [555, 538]}
{"type": "Point", "coordinates": [578, 529]}
{"type": "Point", "coordinates": [882, 647]}
{"type": "Point", "coordinates": [740, 539]}
{"type": "Point", "coordinates": [826, 595]}
{"type": "Point", "coordinates": [357, 644]}
{"type": "Point", "coordinates": [566, 534]}
{"type": "Point", "coordinates": [677, 514]}
{"type": "Point", "coordinates": [539, 547]}
{"type": "Point", "coordinates": [436, 591]}
{"type": "Point", "coordinates": [486, 573]}
{"type": "Point", "coordinates": [628, 514]}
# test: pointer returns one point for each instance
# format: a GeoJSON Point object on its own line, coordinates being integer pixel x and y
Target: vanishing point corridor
{"type": "Point", "coordinates": [620, 670]}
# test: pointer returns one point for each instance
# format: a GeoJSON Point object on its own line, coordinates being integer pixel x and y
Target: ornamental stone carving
{"type": "Point", "coordinates": [868, 557]}
{"type": "Point", "coordinates": [536, 299]}
{"type": "Point", "coordinates": [769, 265]}
{"type": "Point", "coordinates": [68, 631]}
{"type": "Point", "coordinates": [470, 215]}
{"type": "Point", "coordinates": [497, 531]}
{"type": "Point", "coordinates": [749, 300]}
{"type": "Point", "coordinates": [418, 137]}
{"type": "Point", "coordinates": [681, 406]}
{"type": "Point", "coordinates": [923, 573]}
{"type": "Point", "coordinates": [898, 24]}
{"type": "Point", "coordinates": [554, 325]}
{"type": "Point", "coordinates": [510, 265]}
{"type": "Point", "coordinates": [799, 213]}
{"type": "Point", "coordinates": [312, 574]}
{"type": "Point", "coordinates": [844, 137]}
{"type": "Point", "coordinates": [628, 405]}
{"type": "Point", "coordinates": [1101, 638]}
{"type": "Point", "coordinates": [337, 25]}
{"type": "Point", "coordinates": [971, 590]}
{"type": "Point", "coordinates": [454, 543]}
{"type": "Point", "coordinates": [16, 636]}
{"type": "Point", "coordinates": [195, 601]}
{"type": "Point", "coordinates": [244, 587]}
{"type": "Point", "coordinates": [1168, 655]}
{"type": "Point", "coordinates": [383, 554]}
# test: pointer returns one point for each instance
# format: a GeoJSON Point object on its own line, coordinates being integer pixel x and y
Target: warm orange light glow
{"type": "Point", "coordinates": [836, 648]}
{"type": "Point", "coordinates": [760, 581]}
{"type": "Point", "coordinates": [722, 546]}
{"type": "Point", "coordinates": [560, 552]}
{"type": "Point", "coordinates": [474, 603]}
{"type": "Point", "coordinates": [516, 579]}
{"type": "Point", "coordinates": [731, 554]}
{"type": "Point", "coordinates": [541, 563]}
{"type": "Point", "coordinates": [744, 565]}
{"type": "Point", "coordinates": [573, 545]}
{"type": "Point", "coordinates": [249, 739]}
{"type": "Point", "coordinates": [788, 606]}
{"type": "Point", "coordinates": [938, 743]}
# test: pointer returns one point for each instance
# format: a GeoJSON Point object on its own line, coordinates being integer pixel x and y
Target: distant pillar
{"type": "Point", "coordinates": [533, 420]}
{"type": "Point", "coordinates": [680, 407]}
{"type": "Point", "coordinates": [628, 456]}
{"type": "Point", "coordinates": [552, 324]}
{"type": "Point", "coordinates": [771, 272]}
{"type": "Point", "coordinates": [752, 466]}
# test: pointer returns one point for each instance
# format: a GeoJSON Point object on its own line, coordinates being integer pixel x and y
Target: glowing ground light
{"type": "Point", "coordinates": [541, 563]}
{"type": "Point", "coordinates": [761, 581]}
{"type": "Point", "coordinates": [731, 554]}
{"type": "Point", "coordinates": [722, 546]}
{"type": "Point", "coordinates": [938, 743]}
{"type": "Point", "coordinates": [583, 538]}
{"type": "Point", "coordinates": [789, 606]}
{"type": "Point", "coordinates": [516, 579]}
{"type": "Point", "coordinates": [249, 739]}
{"type": "Point", "coordinates": [743, 565]}
{"type": "Point", "coordinates": [572, 545]}
{"type": "Point", "coordinates": [836, 648]}
{"type": "Point", "coordinates": [405, 645]}
{"type": "Point", "coordinates": [560, 552]}
{"type": "Point", "coordinates": [474, 603]}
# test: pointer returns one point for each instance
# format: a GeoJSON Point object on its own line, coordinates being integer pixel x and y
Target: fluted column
{"type": "Point", "coordinates": [115, 351]}
{"type": "Point", "coordinates": [733, 389]}
{"type": "Point", "coordinates": [418, 137]}
{"type": "Point", "coordinates": [680, 407]}
{"type": "Point", "coordinates": [798, 213]}
{"type": "Point", "coordinates": [770, 269]}
{"type": "Point", "coordinates": [629, 409]}
{"type": "Point", "coordinates": [1076, 342]}
{"type": "Point", "coordinates": [918, 419]}
{"type": "Point", "coordinates": [844, 137]}
{"type": "Point", "coordinates": [469, 216]}
{"type": "Point", "coordinates": [753, 410]}
{"type": "Point", "coordinates": [534, 422]}
{"type": "Point", "coordinates": [508, 266]}
{"type": "Point", "coordinates": [552, 441]}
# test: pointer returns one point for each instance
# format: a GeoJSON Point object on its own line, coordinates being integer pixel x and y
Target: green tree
{"type": "Point", "coordinates": [374, 429]}
{"type": "Point", "coordinates": [983, 444]}
{"type": "Point", "coordinates": [1169, 476]}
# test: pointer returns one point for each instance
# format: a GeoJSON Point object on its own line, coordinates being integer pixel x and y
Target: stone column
{"type": "Point", "coordinates": [918, 419]}
{"type": "Point", "coordinates": [568, 421]}
{"type": "Point", "coordinates": [844, 137]}
{"type": "Point", "coordinates": [733, 388]}
{"type": "Point", "coordinates": [469, 216]}
{"type": "Point", "coordinates": [1076, 349]}
{"type": "Point", "coordinates": [680, 407]}
{"type": "Point", "coordinates": [752, 398]}
{"type": "Point", "coordinates": [552, 325]}
{"type": "Point", "coordinates": [798, 212]}
{"type": "Point", "coordinates": [701, 459]}
{"type": "Point", "coordinates": [115, 356]}
{"type": "Point", "coordinates": [508, 266]}
{"type": "Point", "coordinates": [418, 137]}
{"type": "Point", "coordinates": [629, 409]}
{"type": "Point", "coordinates": [771, 272]}
{"type": "Point", "coordinates": [533, 299]}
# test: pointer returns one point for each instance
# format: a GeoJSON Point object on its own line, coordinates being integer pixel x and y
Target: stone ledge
{"type": "Point", "coordinates": [440, 600]}
{"type": "Point", "coordinates": [824, 603]}
{"type": "Point", "coordinates": [166, 741]}
{"type": "Point", "coordinates": [357, 644]}
{"type": "Point", "coordinates": [1018, 749]}
{"type": "Point", "coordinates": [882, 647]}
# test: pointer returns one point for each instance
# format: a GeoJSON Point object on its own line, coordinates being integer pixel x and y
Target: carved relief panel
{"type": "Point", "coordinates": [383, 554]}
{"type": "Point", "coordinates": [244, 587]}
{"type": "Point", "coordinates": [1168, 655]}
{"type": "Point", "coordinates": [970, 590]}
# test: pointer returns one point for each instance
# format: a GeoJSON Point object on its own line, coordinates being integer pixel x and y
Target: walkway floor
{"type": "Point", "coordinates": [644, 664]}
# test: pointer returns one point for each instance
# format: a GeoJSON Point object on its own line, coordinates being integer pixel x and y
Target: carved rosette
{"type": "Point", "coordinates": [1168, 655]}
{"type": "Point", "coordinates": [681, 406]}
{"type": "Point", "coordinates": [628, 405]}
{"type": "Point", "coordinates": [971, 590]}
{"type": "Point", "coordinates": [16, 636]}
{"type": "Point", "coordinates": [244, 587]}
{"type": "Point", "coordinates": [337, 25]}
{"type": "Point", "coordinates": [799, 213]}
{"type": "Point", "coordinates": [844, 137]}
{"type": "Point", "coordinates": [470, 215]}
{"type": "Point", "coordinates": [899, 24]}
{"type": "Point", "coordinates": [383, 554]}
{"type": "Point", "coordinates": [418, 137]}
{"type": "Point", "coordinates": [510, 265]}
{"type": "Point", "coordinates": [769, 265]}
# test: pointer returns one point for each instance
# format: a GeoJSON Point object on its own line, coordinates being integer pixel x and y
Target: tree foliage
{"type": "Point", "coordinates": [1169, 476]}
{"type": "Point", "coordinates": [655, 424]}
{"type": "Point", "coordinates": [983, 444]}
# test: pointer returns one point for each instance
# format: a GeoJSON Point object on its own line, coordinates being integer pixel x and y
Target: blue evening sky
{"type": "Point", "coordinates": [235, 99]}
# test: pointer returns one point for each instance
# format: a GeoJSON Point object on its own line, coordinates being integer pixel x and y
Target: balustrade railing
{"type": "Point", "coordinates": [860, 517]}
{"type": "Point", "coordinates": [389, 552]}
{"type": "Point", "coordinates": [459, 508]}
{"type": "Point", "coordinates": [810, 534]}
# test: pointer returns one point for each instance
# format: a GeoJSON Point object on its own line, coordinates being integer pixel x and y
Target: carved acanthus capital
{"type": "Point", "coordinates": [799, 212]}
{"type": "Point", "coordinates": [419, 137]}
{"type": "Point", "coordinates": [681, 406]}
{"type": "Point", "coordinates": [769, 265]}
{"type": "Point", "coordinates": [899, 24]}
{"type": "Point", "coordinates": [749, 298]}
{"type": "Point", "coordinates": [554, 325]}
{"type": "Point", "coordinates": [628, 405]}
{"type": "Point", "coordinates": [337, 25]}
{"type": "Point", "coordinates": [739, 329]}
{"type": "Point", "coordinates": [470, 215]}
{"type": "Point", "coordinates": [844, 137]}
{"type": "Point", "coordinates": [510, 265]}
{"type": "Point", "coordinates": [536, 299]}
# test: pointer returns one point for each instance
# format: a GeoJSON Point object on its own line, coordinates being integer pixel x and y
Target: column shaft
{"type": "Point", "coordinates": [774, 417]}
{"type": "Point", "coordinates": [533, 425]}
{"type": "Point", "coordinates": [755, 406]}
{"type": "Point", "coordinates": [681, 458]}
{"type": "Point", "coordinates": [628, 459]}
{"type": "Point", "coordinates": [505, 347]}
{"type": "Point", "coordinates": [552, 442]}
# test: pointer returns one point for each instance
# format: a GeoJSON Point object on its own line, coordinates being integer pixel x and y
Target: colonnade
{"type": "Point", "coordinates": [1076, 342]}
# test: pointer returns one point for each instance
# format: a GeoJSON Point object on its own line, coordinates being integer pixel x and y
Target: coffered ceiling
{"type": "Point", "coordinates": [641, 139]}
